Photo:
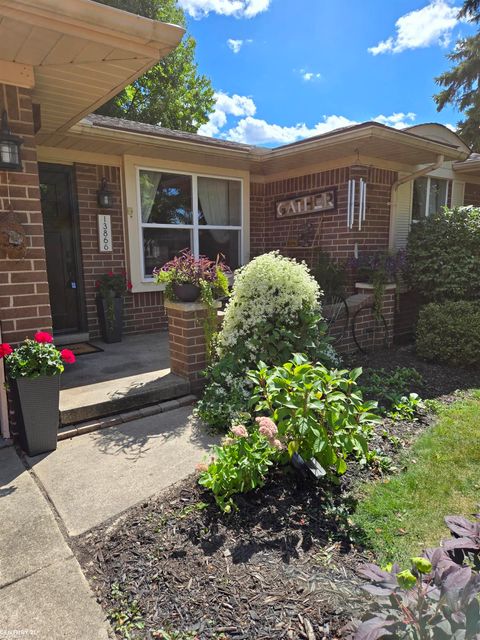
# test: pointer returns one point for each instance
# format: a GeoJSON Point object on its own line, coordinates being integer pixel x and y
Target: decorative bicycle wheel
{"type": "Point", "coordinates": [369, 330]}
{"type": "Point", "coordinates": [336, 314]}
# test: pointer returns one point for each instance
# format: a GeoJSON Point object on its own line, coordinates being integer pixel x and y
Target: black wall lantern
{"type": "Point", "coordinates": [104, 196]}
{"type": "Point", "coordinates": [10, 144]}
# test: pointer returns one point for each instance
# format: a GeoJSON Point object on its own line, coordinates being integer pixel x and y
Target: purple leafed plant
{"type": "Point", "coordinates": [465, 543]}
{"type": "Point", "coordinates": [437, 599]}
{"type": "Point", "coordinates": [191, 270]}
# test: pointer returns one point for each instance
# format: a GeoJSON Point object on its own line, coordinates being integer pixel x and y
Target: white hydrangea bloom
{"type": "Point", "coordinates": [270, 286]}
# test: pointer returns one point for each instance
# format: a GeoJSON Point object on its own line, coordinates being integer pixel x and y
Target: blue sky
{"type": "Point", "coordinates": [288, 69]}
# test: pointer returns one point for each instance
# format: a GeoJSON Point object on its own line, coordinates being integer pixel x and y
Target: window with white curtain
{"type": "Point", "coordinates": [429, 196]}
{"type": "Point", "coordinates": [180, 211]}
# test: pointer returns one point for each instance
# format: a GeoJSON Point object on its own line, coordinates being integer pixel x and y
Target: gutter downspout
{"type": "Point", "coordinates": [420, 172]}
{"type": "Point", "coordinates": [411, 176]}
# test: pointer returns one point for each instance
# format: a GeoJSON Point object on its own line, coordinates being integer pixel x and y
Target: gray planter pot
{"type": "Point", "coordinates": [39, 402]}
{"type": "Point", "coordinates": [186, 292]}
{"type": "Point", "coordinates": [111, 323]}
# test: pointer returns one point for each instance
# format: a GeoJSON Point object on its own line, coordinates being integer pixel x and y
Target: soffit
{"type": "Point", "coordinates": [82, 53]}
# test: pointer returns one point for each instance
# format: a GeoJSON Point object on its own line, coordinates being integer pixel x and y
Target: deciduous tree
{"type": "Point", "coordinates": [173, 93]}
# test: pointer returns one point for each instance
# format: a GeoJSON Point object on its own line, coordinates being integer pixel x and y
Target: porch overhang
{"type": "Point", "coordinates": [369, 142]}
{"type": "Point", "coordinates": [76, 54]}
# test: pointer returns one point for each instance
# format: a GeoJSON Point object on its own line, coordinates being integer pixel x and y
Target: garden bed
{"type": "Point", "coordinates": [282, 566]}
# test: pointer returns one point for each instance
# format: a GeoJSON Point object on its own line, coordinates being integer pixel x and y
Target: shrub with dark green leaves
{"type": "Point", "coordinates": [320, 413]}
{"type": "Point", "coordinates": [443, 255]}
{"type": "Point", "coordinates": [450, 333]}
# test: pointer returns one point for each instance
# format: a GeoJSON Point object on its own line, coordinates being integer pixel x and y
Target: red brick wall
{"type": "Point", "coordinates": [144, 312]}
{"type": "Point", "coordinates": [330, 228]}
{"type": "Point", "coordinates": [472, 194]}
{"type": "Point", "coordinates": [24, 298]}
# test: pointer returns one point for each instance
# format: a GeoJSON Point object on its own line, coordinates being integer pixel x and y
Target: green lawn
{"type": "Point", "coordinates": [404, 514]}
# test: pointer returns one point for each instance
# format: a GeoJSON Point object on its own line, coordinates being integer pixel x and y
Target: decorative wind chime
{"type": "Point", "coordinates": [362, 203]}
{"type": "Point", "coordinates": [13, 241]}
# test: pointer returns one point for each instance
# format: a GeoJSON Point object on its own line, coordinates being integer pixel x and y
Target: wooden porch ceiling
{"type": "Point", "coordinates": [82, 53]}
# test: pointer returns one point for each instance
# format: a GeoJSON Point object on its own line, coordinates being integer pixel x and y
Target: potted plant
{"type": "Point", "coordinates": [187, 278]}
{"type": "Point", "coordinates": [111, 289]}
{"type": "Point", "coordinates": [34, 367]}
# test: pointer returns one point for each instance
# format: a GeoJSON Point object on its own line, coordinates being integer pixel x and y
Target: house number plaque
{"type": "Point", "coordinates": [104, 233]}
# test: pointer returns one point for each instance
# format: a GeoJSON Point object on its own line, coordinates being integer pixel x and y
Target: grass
{"type": "Point", "coordinates": [403, 515]}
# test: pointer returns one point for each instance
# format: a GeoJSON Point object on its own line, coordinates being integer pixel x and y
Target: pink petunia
{"type": "Point", "coordinates": [43, 337]}
{"type": "Point", "coordinates": [67, 356]}
{"type": "Point", "coordinates": [5, 350]}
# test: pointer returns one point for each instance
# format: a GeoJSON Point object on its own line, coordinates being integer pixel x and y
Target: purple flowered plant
{"type": "Point", "coordinates": [389, 265]}
{"type": "Point", "coordinates": [191, 270]}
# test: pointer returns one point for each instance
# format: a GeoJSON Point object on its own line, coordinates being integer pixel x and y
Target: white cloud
{"type": "Point", "coordinates": [397, 120]}
{"type": "Point", "coordinates": [430, 25]}
{"type": "Point", "coordinates": [240, 111]}
{"type": "Point", "coordinates": [255, 131]}
{"type": "Point", "coordinates": [226, 105]}
{"type": "Point", "coordinates": [236, 8]}
{"type": "Point", "coordinates": [308, 76]}
{"type": "Point", "coordinates": [236, 45]}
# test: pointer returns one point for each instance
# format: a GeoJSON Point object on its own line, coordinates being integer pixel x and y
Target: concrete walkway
{"type": "Point", "coordinates": [43, 592]}
{"type": "Point", "coordinates": [96, 476]}
{"type": "Point", "coordinates": [89, 479]}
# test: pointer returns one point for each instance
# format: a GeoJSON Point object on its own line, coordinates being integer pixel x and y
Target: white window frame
{"type": "Point", "coordinates": [427, 199]}
{"type": "Point", "coordinates": [195, 227]}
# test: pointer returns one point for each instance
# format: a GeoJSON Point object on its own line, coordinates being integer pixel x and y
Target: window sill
{"type": "Point", "coordinates": [147, 287]}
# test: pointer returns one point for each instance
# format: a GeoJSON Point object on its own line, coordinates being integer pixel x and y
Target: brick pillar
{"type": "Point", "coordinates": [24, 298]}
{"type": "Point", "coordinates": [186, 334]}
{"type": "Point", "coordinates": [387, 309]}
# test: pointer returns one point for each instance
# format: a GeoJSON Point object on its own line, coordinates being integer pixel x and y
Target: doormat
{"type": "Point", "coordinates": [81, 348]}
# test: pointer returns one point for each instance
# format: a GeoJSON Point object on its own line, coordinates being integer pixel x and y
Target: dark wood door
{"type": "Point", "coordinates": [60, 223]}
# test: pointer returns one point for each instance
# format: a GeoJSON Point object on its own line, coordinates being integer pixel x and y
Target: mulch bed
{"type": "Point", "coordinates": [282, 566]}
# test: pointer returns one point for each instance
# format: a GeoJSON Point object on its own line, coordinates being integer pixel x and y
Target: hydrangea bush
{"type": "Point", "coordinates": [273, 312]}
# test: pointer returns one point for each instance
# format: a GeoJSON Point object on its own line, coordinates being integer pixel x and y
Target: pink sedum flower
{"type": "Point", "coordinates": [277, 444]}
{"type": "Point", "coordinates": [267, 427]}
{"type": "Point", "coordinates": [240, 431]}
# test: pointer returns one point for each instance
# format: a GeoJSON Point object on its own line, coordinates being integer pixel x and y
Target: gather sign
{"type": "Point", "coordinates": [312, 203]}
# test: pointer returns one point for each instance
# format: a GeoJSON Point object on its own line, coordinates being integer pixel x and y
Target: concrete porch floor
{"type": "Point", "coordinates": [126, 375]}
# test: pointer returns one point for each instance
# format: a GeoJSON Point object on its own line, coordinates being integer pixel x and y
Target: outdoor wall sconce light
{"type": "Point", "coordinates": [104, 196]}
{"type": "Point", "coordinates": [10, 144]}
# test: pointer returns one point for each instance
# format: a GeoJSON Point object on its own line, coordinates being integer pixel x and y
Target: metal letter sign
{"type": "Point", "coordinates": [104, 233]}
{"type": "Point", "coordinates": [311, 203]}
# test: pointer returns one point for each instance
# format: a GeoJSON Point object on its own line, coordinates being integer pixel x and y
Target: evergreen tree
{"type": "Point", "coordinates": [462, 82]}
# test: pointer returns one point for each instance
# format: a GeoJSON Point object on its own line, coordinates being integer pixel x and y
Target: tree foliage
{"type": "Point", "coordinates": [461, 87]}
{"type": "Point", "coordinates": [172, 93]}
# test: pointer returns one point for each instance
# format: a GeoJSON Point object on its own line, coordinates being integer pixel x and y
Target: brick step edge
{"type": "Point", "coordinates": [71, 431]}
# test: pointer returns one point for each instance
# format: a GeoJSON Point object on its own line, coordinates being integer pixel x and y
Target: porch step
{"type": "Point", "coordinates": [120, 395]}
{"type": "Point", "coordinates": [70, 431]}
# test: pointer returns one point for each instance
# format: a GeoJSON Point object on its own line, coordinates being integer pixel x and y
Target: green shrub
{"type": "Point", "coordinates": [390, 388]}
{"type": "Point", "coordinates": [239, 465]}
{"type": "Point", "coordinates": [443, 255]}
{"type": "Point", "coordinates": [273, 312]}
{"type": "Point", "coordinates": [450, 332]}
{"type": "Point", "coordinates": [319, 413]}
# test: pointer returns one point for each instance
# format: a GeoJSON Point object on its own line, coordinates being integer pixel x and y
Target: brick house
{"type": "Point", "coordinates": [60, 60]}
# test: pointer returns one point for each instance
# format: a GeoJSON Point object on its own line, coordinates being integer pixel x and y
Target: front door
{"type": "Point", "coordinates": [62, 246]}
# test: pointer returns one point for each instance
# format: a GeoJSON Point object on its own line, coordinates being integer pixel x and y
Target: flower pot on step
{"type": "Point", "coordinates": [38, 399]}
{"type": "Point", "coordinates": [110, 317]}
{"type": "Point", "coordinates": [186, 292]}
